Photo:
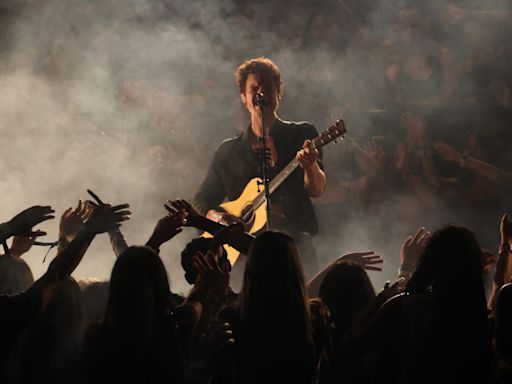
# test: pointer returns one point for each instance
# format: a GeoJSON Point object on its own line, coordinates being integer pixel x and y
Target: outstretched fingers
{"type": "Point", "coordinates": [95, 197]}
{"type": "Point", "coordinates": [419, 235]}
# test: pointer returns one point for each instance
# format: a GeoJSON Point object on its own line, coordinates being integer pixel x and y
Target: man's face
{"type": "Point", "coordinates": [265, 84]}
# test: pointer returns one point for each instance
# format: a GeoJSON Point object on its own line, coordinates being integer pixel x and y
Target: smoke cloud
{"type": "Point", "coordinates": [130, 98]}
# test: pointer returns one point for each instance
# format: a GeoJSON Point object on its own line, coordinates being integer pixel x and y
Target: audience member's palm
{"type": "Point", "coordinates": [72, 219]}
{"type": "Point", "coordinates": [23, 222]}
{"type": "Point", "coordinates": [106, 218]}
{"type": "Point", "coordinates": [413, 247]}
{"type": "Point", "coordinates": [366, 260]}
{"type": "Point", "coordinates": [174, 206]}
{"type": "Point", "coordinates": [21, 245]}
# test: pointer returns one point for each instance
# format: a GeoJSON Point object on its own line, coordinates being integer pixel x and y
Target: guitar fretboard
{"type": "Point", "coordinates": [276, 182]}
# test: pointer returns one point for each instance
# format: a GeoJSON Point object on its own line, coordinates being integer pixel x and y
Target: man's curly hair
{"type": "Point", "coordinates": [259, 65]}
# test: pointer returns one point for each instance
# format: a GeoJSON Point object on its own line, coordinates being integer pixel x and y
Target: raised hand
{"type": "Point", "coordinates": [376, 154]}
{"type": "Point", "coordinates": [166, 228]}
{"type": "Point", "coordinates": [106, 218]}
{"type": "Point", "coordinates": [447, 152]}
{"type": "Point", "coordinates": [488, 260]}
{"type": "Point", "coordinates": [415, 128]}
{"type": "Point", "coordinates": [412, 248]}
{"type": "Point", "coordinates": [366, 260]}
{"type": "Point", "coordinates": [22, 223]}
{"type": "Point", "coordinates": [208, 268]}
{"type": "Point", "coordinates": [21, 245]}
{"type": "Point", "coordinates": [219, 335]}
{"type": "Point", "coordinates": [506, 230]}
{"type": "Point", "coordinates": [452, 13]}
{"type": "Point", "coordinates": [72, 219]}
{"type": "Point", "coordinates": [402, 160]}
{"type": "Point", "coordinates": [174, 206]}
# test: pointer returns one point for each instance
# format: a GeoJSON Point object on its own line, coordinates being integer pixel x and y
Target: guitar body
{"type": "Point", "coordinates": [242, 207]}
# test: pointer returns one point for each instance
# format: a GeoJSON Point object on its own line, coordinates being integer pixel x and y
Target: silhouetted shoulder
{"type": "Point", "coordinates": [405, 301]}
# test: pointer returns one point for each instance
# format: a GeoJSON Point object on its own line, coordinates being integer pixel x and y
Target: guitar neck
{"type": "Point", "coordinates": [276, 182]}
{"type": "Point", "coordinates": [332, 133]}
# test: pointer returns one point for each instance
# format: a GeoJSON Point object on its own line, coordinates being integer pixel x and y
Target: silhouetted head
{"type": "Point", "coordinates": [273, 277]}
{"type": "Point", "coordinates": [50, 349]}
{"type": "Point", "coordinates": [139, 291]}
{"type": "Point", "coordinates": [15, 275]}
{"type": "Point", "coordinates": [275, 327]}
{"type": "Point", "coordinates": [451, 262]}
{"type": "Point", "coordinates": [347, 291]}
{"type": "Point", "coordinates": [95, 296]}
{"type": "Point", "coordinates": [66, 307]}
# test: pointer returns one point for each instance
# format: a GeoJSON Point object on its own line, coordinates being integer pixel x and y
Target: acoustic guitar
{"type": "Point", "coordinates": [250, 206]}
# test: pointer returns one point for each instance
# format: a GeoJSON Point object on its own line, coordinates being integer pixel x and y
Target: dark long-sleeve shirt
{"type": "Point", "coordinates": [235, 163]}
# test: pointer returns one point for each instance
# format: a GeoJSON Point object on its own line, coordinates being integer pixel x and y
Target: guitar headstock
{"type": "Point", "coordinates": [333, 133]}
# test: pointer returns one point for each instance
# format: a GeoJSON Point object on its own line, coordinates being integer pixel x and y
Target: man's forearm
{"type": "Point", "coordinates": [314, 180]}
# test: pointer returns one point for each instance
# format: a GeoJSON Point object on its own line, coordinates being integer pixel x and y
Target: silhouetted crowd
{"type": "Point", "coordinates": [434, 324]}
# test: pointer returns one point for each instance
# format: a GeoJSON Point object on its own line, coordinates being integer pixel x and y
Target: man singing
{"type": "Point", "coordinates": [237, 160]}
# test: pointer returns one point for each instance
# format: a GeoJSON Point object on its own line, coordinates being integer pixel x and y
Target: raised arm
{"type": "Point", "coordinates": [239, 240]}
{"type": "Point", "coordinates": [212, 277]}
{"type": "Point", "coordinates": [72, 221]}
{"type": "Point", "coordinates": [23, 222]}
{"type": "Point", "coordinates": [503, 273]}
{"type": "Point", "coordinates": [367, 260]}
{"type": "Point", "coordinates": [417, 134]}
{"type": "Point", "coordinates": [166, 228]}
{"type": "Point", "coordinates": [118, 242]}
{"type": "Point", "coordinates": [410, 253]}
{"type": "Point", "coordinates": [116, 237]}
{"type": "Point", "coordinates": [479, 167]}
{"type": "Point", "coordinates": [102, 219]}
{"type": "Point", "coordinates": [21, 245]}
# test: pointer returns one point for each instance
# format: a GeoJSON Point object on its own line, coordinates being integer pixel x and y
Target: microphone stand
{"type": "Point", "coordinates": [260, 100]}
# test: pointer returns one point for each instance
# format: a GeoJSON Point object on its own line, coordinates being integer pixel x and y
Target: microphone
{"type": "Point", "coordinates": [259, 100]}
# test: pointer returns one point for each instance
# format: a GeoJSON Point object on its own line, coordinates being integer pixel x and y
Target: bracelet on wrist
{"type": "Point", "coordinates": [63, 242]}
